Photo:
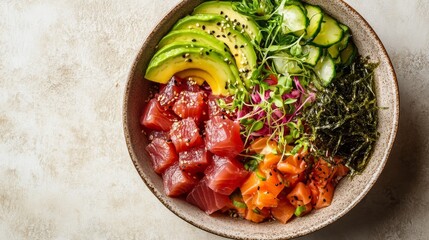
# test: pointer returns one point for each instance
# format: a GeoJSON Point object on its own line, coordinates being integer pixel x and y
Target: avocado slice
{"type": "Point", "coordinates": [219, 48]}
{"type": "Point", "coordinates": [240, 47]}
{"type": "Point", "coordinates": [194, 36]}
{"type": "Point", "coordinates": [197, 75]}
{"type": "Point", "coordinates": [168, 63]}
{"type": "Point", "coordinates": [240, 21]}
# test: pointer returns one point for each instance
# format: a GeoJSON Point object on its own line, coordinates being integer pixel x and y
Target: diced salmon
{"type": "Point", "coordinates": [283, 212]}
{"type": "Point", "coordinates": [323, 172]}
{"type": "Point", "coordinates": [273, 183]}
{"type": "Point", "coordinates": [292, 165]}
{"type": "Point", "coordinates": [176, 182]}
{"type": "Point", "coordinates": [263, 199]}
{"type": "Point", "coordinates": [326, 194]}
{"type": "Point", "coordinates": [263, 146]}
{"type": "Point", "coordinates": [300, 195]}
{"type": "Point", "coordinates": [250, 185]}
{"type": "Point", "coordinates": [162, 153]}
{"type": "Point", "coordinates": [257, 215]}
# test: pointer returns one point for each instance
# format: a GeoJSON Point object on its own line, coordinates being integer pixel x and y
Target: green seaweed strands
{"type": "Point", "coordinates": [343, 118]}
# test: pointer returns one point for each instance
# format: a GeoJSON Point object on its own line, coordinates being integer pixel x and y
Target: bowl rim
{"type": "Point", "coordinates": [395, 123]}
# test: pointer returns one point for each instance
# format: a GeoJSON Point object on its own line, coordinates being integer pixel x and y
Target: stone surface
{"type": "Point", "coordinates": [65, 172]}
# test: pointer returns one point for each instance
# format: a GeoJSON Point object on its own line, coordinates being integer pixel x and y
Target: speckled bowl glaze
{"type": "Point", "coordinates": [348, 193]}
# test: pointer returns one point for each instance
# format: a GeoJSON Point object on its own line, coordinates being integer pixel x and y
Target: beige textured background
{"type": "Point", "coordinates": [65, 172]}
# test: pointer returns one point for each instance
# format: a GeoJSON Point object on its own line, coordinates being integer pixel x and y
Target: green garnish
{"type": "Point", "coordinates": [253, 161]}
{"type": "Point", "coordinates": [256, 210]}
{"type": "Point", "coordinates": [239, 204]}
{"type": "Point", "coordinates": [300, 210]}
{"type": "Point", "coordinates": [343, 118]}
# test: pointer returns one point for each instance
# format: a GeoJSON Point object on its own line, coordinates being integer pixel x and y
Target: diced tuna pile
{"type": "Point", "coordinates": [194, 145]}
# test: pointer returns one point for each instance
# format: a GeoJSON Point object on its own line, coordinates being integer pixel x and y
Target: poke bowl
{"type": "Point", "coordinates": [142, 94]}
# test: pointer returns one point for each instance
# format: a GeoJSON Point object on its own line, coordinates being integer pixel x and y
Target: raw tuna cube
{"type": "Point", "coordinates": [162, 153]}
{"type": "Point", "coordinates": [185, 135]}
{"type": "Point", "coordinates": [206, 199]}
{"type": "Point", "coordinates": [223, 137]}
{"type": "Point", "coordinates": [156, 118]}
{"type": "Point", "coordinates": [159, 134]}
{"type": "Point", "coordinates": [176, 182]}
{"type": "Point", "coordinates": [225, 175]}
{"type": "Point", "coordinates": [194, 160]}
{"type": "Point", "coordinates": [170, 92]}
{"type": "Point", "coordinates": [192, 86]}
{"type": "Point", "coordinates": [213, 106]}
{"type": "Point", "coordinates": [190, 104]}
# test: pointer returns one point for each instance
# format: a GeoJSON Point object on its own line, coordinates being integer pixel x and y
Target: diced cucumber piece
{"type": "Point", "coordinates": [294, 19]}
{"type": "Point", "coordinates": [312, 54]}
{"type": "Point", "coordinates": [284, 63]}
{"type": "Point", "coordinates": [348, 54]}
{"type": "Point", "coordinates": [325, 69]}
{"type": "Point", "coordinates": [330, 32]}
{"type": "Point", "coordinates": [315, 16]}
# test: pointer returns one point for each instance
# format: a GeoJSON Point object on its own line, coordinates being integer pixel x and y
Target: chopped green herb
{"type": "Point", "coordinates": [239, 204]}
{"type": "Point", "coordinates": [300, 210]}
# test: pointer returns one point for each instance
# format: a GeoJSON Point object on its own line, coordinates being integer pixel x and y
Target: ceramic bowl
{"type": "Point", "coordinates": [348, 193]}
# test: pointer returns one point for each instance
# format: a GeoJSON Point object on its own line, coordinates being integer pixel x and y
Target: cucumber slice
{"type": "Point", "coordinates": [325, 69]}
{"type": "Point", "coordinates": [348, 54]}
{"type": "Point", "coordinates": [315, 16]}
{"type": "Point", "coordinates": [344, 41]}
{"type": "Point", "coordinates": [294, 19]}
{"type": "Point", "coordinates": [335, 49]}
{"type": "Point", "coordinates": [330, 32]}
{"type": "Point", "coordinates": [285, 64]}
{"type": "Point", "coordinates": [312, 54]}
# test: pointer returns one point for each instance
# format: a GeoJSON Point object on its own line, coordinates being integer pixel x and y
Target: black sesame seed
{"type": "Point", "coordinates": [221, 12]}
{"type": "Point", "coordinates": [204, 27]}
{"type": "Point", "coordinates": [194, 40]}
{"type": "Point", "coordinates": [218, 23]}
